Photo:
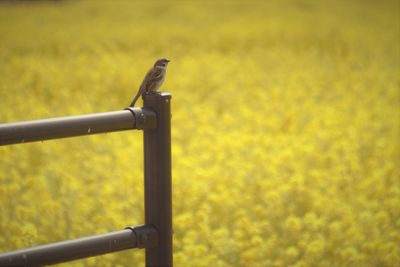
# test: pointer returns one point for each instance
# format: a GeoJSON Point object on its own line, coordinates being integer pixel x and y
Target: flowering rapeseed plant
{"type": "Point", "coordinates": [285, 128]}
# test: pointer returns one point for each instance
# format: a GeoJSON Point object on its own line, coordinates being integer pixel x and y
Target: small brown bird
{"type": "Point", "coordinates": [153, 79]}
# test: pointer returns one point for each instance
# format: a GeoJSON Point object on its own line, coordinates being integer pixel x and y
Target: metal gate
{"type": "Point", "coordinates": [155, 235]}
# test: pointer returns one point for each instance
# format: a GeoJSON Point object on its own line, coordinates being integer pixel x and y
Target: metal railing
{"type": "Point", "coordinates": [156, 234]}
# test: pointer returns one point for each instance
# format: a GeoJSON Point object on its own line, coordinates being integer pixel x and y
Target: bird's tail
{"type": "Point", "coordinates": [136, 98]}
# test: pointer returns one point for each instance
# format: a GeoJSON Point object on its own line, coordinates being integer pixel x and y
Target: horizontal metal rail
{"type": "Point", "coordinates": [144, 236]}
{"type": "Point", "coordinates": [39, 130]}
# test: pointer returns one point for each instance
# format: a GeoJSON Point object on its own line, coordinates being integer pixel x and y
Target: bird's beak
{"type": "Point", "coordinates": [168, 60]}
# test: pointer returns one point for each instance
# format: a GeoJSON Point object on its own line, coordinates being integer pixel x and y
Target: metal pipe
{"type": "Point", "coordinates": [132, 237]}
{"type": "Point", "coordinates": [157, 179]}
{"type": "Point", "coordinates": [38, 130]}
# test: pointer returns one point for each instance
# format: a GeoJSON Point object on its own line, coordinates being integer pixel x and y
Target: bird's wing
{"type": "Point", "coordinates": [143, 86]}
{"type": "Point", "coordinates": [153, 75]}
{"type": "Point", "coordinates": [157, 74]}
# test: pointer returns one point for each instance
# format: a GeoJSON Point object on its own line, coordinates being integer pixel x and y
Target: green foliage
{"type": "Point", "coordinates": [285, 128]}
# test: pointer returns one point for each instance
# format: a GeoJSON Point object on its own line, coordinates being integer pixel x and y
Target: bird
{"type": "Point", "coordinates": [153, 79]}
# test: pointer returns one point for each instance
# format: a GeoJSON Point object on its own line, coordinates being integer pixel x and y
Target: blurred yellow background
{"type": "Point", "coordinates": [285, 131]}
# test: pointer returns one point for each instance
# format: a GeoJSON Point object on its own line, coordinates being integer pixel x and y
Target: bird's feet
{"type": "Point", "coordinates": [152, 93]}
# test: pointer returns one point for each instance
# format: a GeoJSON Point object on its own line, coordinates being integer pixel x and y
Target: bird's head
{"type": "Point", "coordinates": [161, 63]}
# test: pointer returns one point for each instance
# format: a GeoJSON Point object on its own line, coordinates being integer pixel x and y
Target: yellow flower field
{"type": "Point", "coordinates": [285, 116]}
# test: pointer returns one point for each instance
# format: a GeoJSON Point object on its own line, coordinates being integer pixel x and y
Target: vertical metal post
{"type": "Point", "coordinates": [157, 179]}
